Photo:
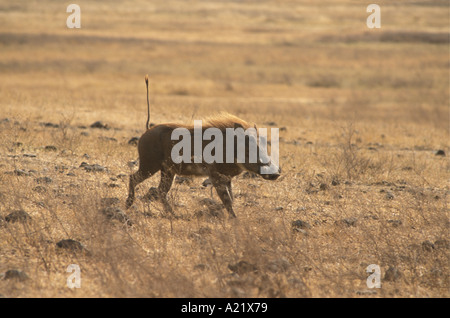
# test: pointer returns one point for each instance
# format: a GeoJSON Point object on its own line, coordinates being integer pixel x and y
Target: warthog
{"type": "Point", "coordinates": [155, 154]}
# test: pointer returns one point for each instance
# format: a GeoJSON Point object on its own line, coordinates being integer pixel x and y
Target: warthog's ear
{"type": "Point", "coordinates": [237, 125]}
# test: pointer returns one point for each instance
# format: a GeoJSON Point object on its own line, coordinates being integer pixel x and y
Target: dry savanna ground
{"type": "Point", "coordinates": [364, 146]}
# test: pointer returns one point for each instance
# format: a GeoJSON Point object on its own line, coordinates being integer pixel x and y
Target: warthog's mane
{"type": "Point", "coordinates": [221, 121]}
{"type": "Point", "coordinates": [224, 120]}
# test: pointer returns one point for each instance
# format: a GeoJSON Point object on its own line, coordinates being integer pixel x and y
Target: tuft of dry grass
{"type": "Point", "coordinates": [362, 114]}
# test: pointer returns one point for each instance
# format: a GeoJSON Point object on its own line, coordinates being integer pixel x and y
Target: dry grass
{"type": "Point", "coordinates": [364, 113]}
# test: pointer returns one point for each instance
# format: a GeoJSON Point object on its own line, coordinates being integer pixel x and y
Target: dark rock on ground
{"type": "Point", "coordinates": [133, 141]}
{"type": "Point", "coordinates": [50, 125]}
{"type": "Point", "coordinates": [50, 148]}
{"type": "Point", "coordinates": [21, 172]}
{"type": "Point", "coordinates": [348, 221]}
{"type": "Point", "coordinates": [299, 224]}
{"type": "Point", "coordinates": [17, 216]}
{"type": "Point", "coordinates": [92, 168]}
{"type": "Point", "coordinates": [428, 246]}
{"type": "Point", "coordinates": [395, 223]}
{"type": "Point", "coordinates": [70, 244]}
{"type": "Point", "coordinates": [116, 213]}
{"type": "Point", "coordinates": [392, 274]}
{"type": "Point", "coordinates": [40, 189]}
{"type": "Point", "coordinates": [100, 125]}
{"type": "Point", "coordinates": [440, 152]}
{"type": "Point", "coordinates": [242, 267]}
{"type": "Point", "coordinates": [15, 274]}
{"type": "Point", "coordinates": [44, 180]}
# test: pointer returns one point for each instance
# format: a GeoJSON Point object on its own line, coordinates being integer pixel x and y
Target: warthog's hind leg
{"type": "Point", "coordinates": [135, 179]}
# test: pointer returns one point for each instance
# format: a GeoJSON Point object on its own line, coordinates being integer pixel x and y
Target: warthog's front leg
{"type": "Point", "coordinates": [135, 179]}
{"type": "Point", "coordinates": [222, 184]}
